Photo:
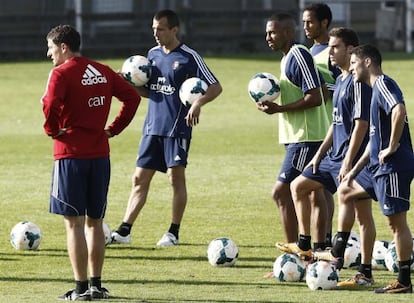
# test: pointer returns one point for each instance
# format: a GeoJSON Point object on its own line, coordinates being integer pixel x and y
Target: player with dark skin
{"type": "Point", "coordinates": [280, 36]}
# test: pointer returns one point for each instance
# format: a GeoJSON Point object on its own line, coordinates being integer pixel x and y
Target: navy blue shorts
{"type": "Point", "coordinates": [391, 190]}
{"type": "Point", "coordinates": [80, 187]}
{"type": "Point", "coordinates": [296, 158]}
{"type": "Point", "coordinates": [160, 153]}
{"type": "Point", "coordinates": [327, 174]}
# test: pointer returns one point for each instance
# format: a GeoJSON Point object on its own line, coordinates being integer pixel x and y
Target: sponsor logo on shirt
{"type": "Point", "coordinates": [372, 130]}
{"type": "Point", "coordinates": [175, 65]}
{"type": "Point", "coordinates": [337, 119]}
{"type": "Point", "coordinates": [162, 87]}
{"type": "Point", "coordinates": [92, 76]}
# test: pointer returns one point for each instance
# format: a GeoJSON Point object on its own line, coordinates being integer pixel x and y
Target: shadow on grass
{"type": "Point", "coordinates": [206, 300]}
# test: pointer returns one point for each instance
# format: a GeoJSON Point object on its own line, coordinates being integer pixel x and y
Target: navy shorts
{"type": "Point", "coordinates": [296, 158]}
{"type": "Point", "coordinates": [80, 187]}
{"type": "Point", "coordinates": [327, 174]}
{"type": "Point", "coordinates": [391, 190]}
{"type": "Point", "coordinates": [160, 153]}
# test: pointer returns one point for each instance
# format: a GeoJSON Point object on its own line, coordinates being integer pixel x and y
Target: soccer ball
{"type": "Point", "coordinates": [25, 235]}
{"type": "Point", "coordinates": [321, 275]}
{"type": "Point", "coordinates": [354, 237]}
{"type": "Point", "coordinates": [352, 255]}
{"type": "Point", "coordinates": [107, 233]}
{"type": "Point", "coordinates": [192, 89]}
{"type": "Point", "coordinates": [263, 87]}
{"type": "Point", "coordinates": [222, 252]}
{"type": "Point", "coordinates": [289, 267]}
{"type": "Point", "coordinates": [391, 258]}
{"type": "Point", "coordinates": [137, 70]}
{"type": "Point", "coordinates": [378, 254]}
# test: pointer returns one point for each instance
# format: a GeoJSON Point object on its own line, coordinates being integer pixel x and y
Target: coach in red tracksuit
{"type": "Point", "coordinates": [76, 106]}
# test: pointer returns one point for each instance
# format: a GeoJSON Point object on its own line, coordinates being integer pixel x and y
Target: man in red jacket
{"type": "Point", "coordinates": [76, 106]}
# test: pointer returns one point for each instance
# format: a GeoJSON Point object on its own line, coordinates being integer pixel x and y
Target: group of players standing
{"type": "Point", "coordinates": [364, 152]}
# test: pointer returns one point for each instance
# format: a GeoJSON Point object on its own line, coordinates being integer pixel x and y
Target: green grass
{"type": "Point", "coordinates": [233, 162]}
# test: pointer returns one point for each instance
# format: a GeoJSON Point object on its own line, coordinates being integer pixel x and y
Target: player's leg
{"type": "Point", "coordinates": [306, 196]}
{"type": "Point", "coordinates": [403, 245]}
{"type": "Point", "coordinates": [367, 232]}
{"type": "Point", "coordinates": [70, 201]}
{"type": "Point", "coordinates": [141, 180]}
{"type": "Point", "coordinates": [78, 256]}
{"type": "Point", "coordinates": [348, 194]}
{"type": "Point", "coordinates": [176, 155]}
{"type": "Point", "coordinates": [98, 190]}
{"type": "Point", "coordinates": [394, 196]}
{"type": "Point", "coordinates": [150, 159]}
{"type": "Point", "coordinates": [177, 180]}
{"type": "Point", "coordinates": [330, 203]}
{"type": "Point", "coordinates": [282, 196]}
{"type": "Point", "coordinates": [96, 252]}
{"type": "Point", "coordinates": [319, 218]}
{"type": "Point", "coordinates": [176, 177]}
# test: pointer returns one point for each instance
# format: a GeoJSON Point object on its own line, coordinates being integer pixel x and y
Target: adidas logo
{"type": "Point", "coordinates": [177, 158]}
{"type": "Point", "coordinates": [92, 76]}
{"type": "Point", "coordinates": [283, 175]}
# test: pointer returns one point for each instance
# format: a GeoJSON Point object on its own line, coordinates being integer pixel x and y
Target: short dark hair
{"type": "Point", "coordinates": [286, 19]}
{"type": "Point", "coordinates": [347, 35]}
{"type": "Point", "coordinates": [368, 51]}
{"type": "Point", "coordinates": [65, 34]}
{"type": "Point", "coordinates": [321, 11]}
{"type": "Point", "coordinates": [172, 17]}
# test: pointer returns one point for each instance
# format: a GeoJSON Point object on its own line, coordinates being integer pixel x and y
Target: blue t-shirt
{"type": "Point", "coordinates": [351, 101]}
{"type": "Point", "coordinates": [300, 69]}
{"type": "Point", "coordinates": [166, 114]}
{"type": "Point", "coordinates": [385, 95]}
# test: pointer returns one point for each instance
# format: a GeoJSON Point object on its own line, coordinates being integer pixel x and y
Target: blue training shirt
{"type": "Point", "coordinates": [385, 95]}
{"type": "Point", "coordinates": [300, 69]}
{"type": "Point", "coordinates": [166, 114]}
{"type": "Point", "coordinates": [351, 101]}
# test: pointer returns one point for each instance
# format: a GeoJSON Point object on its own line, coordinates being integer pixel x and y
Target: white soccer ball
{"type": "Point", "coordinates": [222, 252]}
{"type": "Point", "coordinates": [192, 89]}
{"type": "Point", "coordinates": [289, 268]}
{"type": "Point", "coordinates": [322, 275]}
{"type": "Point", "coordinates": [107, 233]}
{"type": "Point", "coordinates": [352, 255]}
{"type": "Point", "coordinates": [137, 70]}
{"type": "Point", "coordinates": [354, 237]}
{"type": "Point", "coordinates": [391, 258]}
{"type": "Point", "coordinates": [25, 235]}
{"type": "Point", "coordinates": [378, 254]}
{"type": "Point", "coordinates": [263, 87]}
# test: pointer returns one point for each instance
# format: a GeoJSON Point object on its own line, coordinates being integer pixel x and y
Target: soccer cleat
{"type": "Point", "coordinates": [358, 280]}
{"type": "Point", "coordinates": [97, 293]}
{"type": "Point", "coordinates": [168, 239]}
{"type": "Point", "coordinates": [326, 255]}
{"type": "Point", "coordinates": [72, 295]}
{"type": "Point", "coordinates": [395, 287]}
{"type": "Point", "coordinates": [116, 238]}
{"type": "Point", "coordinates": [293, 248]}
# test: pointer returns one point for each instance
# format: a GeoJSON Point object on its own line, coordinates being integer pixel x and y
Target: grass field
{"type": "Point", "coordinates": [233, 162]}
